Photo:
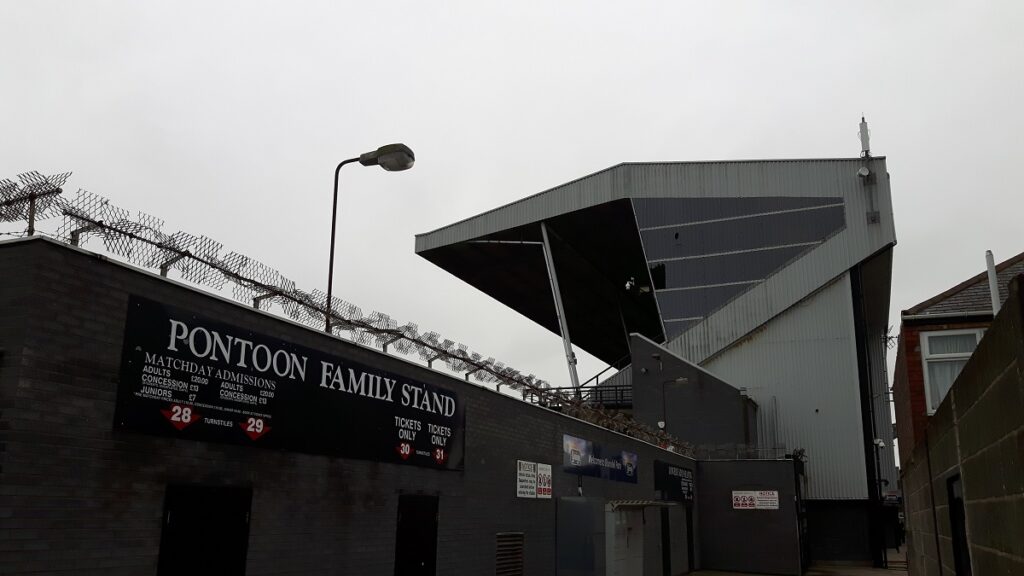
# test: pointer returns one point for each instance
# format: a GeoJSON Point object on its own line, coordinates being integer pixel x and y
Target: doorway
{"type": "Point", "coordinates": [205, 524]}
{"type": "Point", "coordinates": [958, 526]}
{"type": "Point", "coordinates": [416, 537]}
{"type": "Point", "coordinates": [690, 564]}
{"type": "Point", "coordinates": [666, 543]}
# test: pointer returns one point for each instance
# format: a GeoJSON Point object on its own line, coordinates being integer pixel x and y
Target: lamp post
{"type": "Point", "coordinates": [391, 157]}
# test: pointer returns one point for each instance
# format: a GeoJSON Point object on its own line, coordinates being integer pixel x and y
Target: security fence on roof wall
{"type": "Point", "coordinates": [140, 239]}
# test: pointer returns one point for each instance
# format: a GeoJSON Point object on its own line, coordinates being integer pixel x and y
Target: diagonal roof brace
{"type": "Point", "coordinates": [570, 356]}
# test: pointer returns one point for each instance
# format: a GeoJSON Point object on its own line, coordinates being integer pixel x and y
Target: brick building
{"type": "Point", "coordinates": [115, 459]}
{"type": "Point", "coordinates": [936, 339]}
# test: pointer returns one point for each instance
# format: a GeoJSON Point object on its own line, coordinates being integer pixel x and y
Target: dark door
{"type": "Point", "coordinates": [416, 540]}
{"type": "Point", "coordinates": [205, 529]}
{"type": "Point", "coordinates": [958, 526]}
{"type": "Point", "coordinates": [691, 565]}
{"type": "Point", "coordinates": [666, 543]}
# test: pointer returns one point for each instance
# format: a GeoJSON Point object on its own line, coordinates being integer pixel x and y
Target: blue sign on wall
{"type": "Point", "coordinates": [583, 457]}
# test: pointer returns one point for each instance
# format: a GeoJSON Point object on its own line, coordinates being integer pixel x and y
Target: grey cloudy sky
{"type": "Point", "coordinates": [227, 118]}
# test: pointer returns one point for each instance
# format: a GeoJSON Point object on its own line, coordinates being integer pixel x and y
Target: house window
{"type": "Point", "coordinates": [944, 355]}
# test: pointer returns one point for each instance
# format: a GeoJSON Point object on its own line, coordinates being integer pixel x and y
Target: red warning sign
{"type": "Point", "coordinates": [404, 450]}
{"type": "Point", "coordinates": [254, 427]}
{"type": "Point", "coordinates": [181, 416]}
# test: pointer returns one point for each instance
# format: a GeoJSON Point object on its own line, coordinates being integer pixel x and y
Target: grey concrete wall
{"type": "Point", "coordinates": [978, 433]}
{"type": "Point", "coordinates": [704, 411]}
{"type": "Point", "coordinates": [762, 541]}
{"type": "Point", "coordinates": [919, 512]}
{"type": "Point", "coordinates": [78, 497]}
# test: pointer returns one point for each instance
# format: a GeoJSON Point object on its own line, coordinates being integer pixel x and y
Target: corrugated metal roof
{"type": "Point", "coordinates": [727, 178]}
{"type": "Point", "coordinates": [972, 295]}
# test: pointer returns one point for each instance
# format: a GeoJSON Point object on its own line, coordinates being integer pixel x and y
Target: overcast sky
{"type": "Point", "coordinates": [227, 119]}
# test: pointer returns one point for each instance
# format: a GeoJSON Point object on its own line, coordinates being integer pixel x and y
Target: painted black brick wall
{"type": "Point", "coordinates": [976, 434]}
{"type": "Point", "coordinates": [78, 497]}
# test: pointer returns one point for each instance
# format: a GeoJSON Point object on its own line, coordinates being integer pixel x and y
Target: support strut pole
{"type": "Point", "coordinates": [31, 214]}
{"type": "Point", "coordinates": [563, 324]}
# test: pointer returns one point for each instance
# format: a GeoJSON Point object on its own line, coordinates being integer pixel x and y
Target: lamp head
{"type": "Point", "coordinates": [391, 157]}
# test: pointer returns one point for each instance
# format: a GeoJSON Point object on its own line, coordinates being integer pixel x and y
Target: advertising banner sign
{"type": "Point", "coordinates": [755, 499]}
{"type": "Point", "coordinates": [190, 376]}
{"type": "Point", "coordinates": [581, 456]}
{"type": "Point", "coordinates": [675, 481]}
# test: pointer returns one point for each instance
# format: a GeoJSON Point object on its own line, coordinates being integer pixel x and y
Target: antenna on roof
{"type": "Point", "coordinates": [993, 281]}
{"type": "Point", "coordinates": [865, 139]}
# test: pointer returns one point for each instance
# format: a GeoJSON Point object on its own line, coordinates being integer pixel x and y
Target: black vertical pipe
{"type": "Point", "coordinates": [875, 535]}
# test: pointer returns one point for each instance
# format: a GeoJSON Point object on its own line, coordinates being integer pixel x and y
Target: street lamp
{"type": "Point", "coordinates": [391, 157]}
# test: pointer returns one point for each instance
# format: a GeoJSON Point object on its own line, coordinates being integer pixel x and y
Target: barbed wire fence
{"type": "Point", "coordinates": [141, 241]}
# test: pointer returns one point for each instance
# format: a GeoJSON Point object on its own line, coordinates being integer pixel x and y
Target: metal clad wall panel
{"type": "Point", "coordinates": [839, 253]}
{"type": "Point", "coordinates": [742, 234]}
{"type": "Point", "coordinates": [748, 266]}
{"type": "Point", "coordinates": [668, 211]}
{"type": "Point", "coordinates": [806, 359]}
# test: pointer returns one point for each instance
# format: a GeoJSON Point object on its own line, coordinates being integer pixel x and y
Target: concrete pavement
{"type": "Point", "coordinates": [897, 567]}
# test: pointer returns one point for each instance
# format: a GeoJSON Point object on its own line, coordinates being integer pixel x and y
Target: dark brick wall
{"type": "Point", "coordinates": [922, 546]}
{"type": "Point", "coordinates": [78, 497]}
{"type": "Point", "coordinates": [908, 383]}
{"type": "Point", "coordinates": [907, 391]}
{"type": "Point", "coordinates": [976, 433]}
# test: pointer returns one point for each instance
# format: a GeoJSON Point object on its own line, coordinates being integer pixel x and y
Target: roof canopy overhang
{"type": "Point", "coordinates": [710, 250]}
{"type": "Point", "coordinates": [596, 252]}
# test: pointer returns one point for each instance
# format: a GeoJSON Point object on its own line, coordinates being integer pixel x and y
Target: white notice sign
{"type": "Point", "coordinates": [767, 500]}
{"type": "Point", "coordinates": [543, 480]}
{"type": "Point", "coordinates": [755, 499]}
{"type": "Point", "coordinates": [526, 479]}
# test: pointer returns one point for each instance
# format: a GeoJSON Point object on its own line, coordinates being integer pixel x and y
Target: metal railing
{"type": "Point", "coordinates": [738, 452]}
{"type": "Point", "coordinates": [614, 396]}
{"type": "Point", "coordinates": [616, 366]}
